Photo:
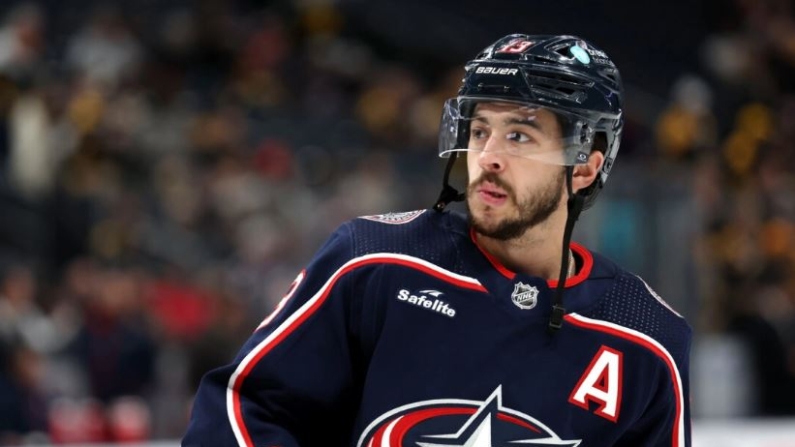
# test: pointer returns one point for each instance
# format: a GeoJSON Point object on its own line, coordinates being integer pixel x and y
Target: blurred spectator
{"type": "Point", "coordinates": [114, 344]}
{"type": "Point", "coordinates": [104, 51]}
{"type": "Point", "coordinates": [687, 127]}
{"type": "Point", "coordinates": [22, 41]}
{"type": "Point", "coordinates": [34, 153]}
{"type": "Point", "coordinates": [21, 318]}
{"type": "Point", "coordinates": [23, 405]}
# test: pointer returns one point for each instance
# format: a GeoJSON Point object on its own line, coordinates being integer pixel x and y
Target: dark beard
{"type": "Point", "coordinates": [532, 211]}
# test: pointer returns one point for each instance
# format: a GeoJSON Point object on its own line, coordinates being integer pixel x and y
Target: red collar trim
{"type": "Point", "coordinates": [579, 251]}
{"type": "Point", "coordinates": [494, 262]}
{"type": "Point", "coordinates": [585, 270]}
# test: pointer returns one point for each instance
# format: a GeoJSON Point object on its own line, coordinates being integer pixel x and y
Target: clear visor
{"type": "Point", "coordinates": [518, 129]}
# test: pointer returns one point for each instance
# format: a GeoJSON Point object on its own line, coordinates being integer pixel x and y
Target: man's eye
{"type": "Point", "coordinates": [518, 137]}
{"type": "Point", "coordinates": [478, 133]}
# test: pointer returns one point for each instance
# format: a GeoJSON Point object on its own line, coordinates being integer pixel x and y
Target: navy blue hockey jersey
{"type": "Point", "coordinates": [402, 332]}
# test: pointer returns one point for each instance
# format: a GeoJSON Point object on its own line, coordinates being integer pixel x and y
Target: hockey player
{"type": "Point", "coordinates": [432, 329]}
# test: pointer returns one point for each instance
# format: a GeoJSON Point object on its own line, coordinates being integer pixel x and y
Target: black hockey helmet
{"type": "Point", "coordinates": [564, 74]}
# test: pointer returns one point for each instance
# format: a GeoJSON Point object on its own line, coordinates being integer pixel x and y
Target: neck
{"type": "Point", "coordinates": [537, 252]}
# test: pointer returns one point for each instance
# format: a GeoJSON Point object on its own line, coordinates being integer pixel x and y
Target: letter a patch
{"type": "Point", "coordinates": [601, 383]}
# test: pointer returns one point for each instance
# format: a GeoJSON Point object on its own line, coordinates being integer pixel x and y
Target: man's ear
{"type": "Point", "coordinates": [586, 173]}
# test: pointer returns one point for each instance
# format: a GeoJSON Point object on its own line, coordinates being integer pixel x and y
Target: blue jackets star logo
{"type": "Point", "coordinates": [459, 423]}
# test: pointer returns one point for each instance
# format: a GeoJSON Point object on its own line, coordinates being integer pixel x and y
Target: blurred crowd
{"type": "Point", "coordinates": [733, 130]}
{"type": "Point", "coordinates": [164, 176]}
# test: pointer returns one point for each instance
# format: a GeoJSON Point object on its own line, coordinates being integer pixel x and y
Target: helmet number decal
{"type": "Point", "coordinates": [516, 46]}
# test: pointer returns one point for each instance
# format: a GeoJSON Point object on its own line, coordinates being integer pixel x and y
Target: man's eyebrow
{"type": "Point", "coordinates": [529, 121]}
{"type": "Point", "coordinates": [514, 120]}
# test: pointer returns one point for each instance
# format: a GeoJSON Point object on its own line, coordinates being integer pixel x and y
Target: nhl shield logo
{"type": "Point", "coordinates": [524, 296]}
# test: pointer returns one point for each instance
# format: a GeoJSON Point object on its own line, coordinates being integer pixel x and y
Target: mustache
{"type": "Point", "coordinates": [493, 179]}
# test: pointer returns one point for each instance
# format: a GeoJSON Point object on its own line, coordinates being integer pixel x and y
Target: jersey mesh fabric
{"type": "Point", "coordinates": [415, 238]}
{"type": "Point", "coordinates": [628, 303]}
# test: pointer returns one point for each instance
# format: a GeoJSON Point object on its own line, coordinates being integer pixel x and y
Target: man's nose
{"type": "Point", "coordinates": [491, 158]}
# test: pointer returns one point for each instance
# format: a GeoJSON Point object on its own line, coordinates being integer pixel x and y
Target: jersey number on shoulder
{"type": "Point", "coordinates": [290, 291]}
{"type": "Point", "coordinates": [601, 383]}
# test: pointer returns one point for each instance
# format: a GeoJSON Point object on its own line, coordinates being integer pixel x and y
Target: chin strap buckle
{"type": "Point", "coordinates": [556, 320]}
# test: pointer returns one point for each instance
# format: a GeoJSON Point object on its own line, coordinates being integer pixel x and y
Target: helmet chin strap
{"type": "Point", "coordinates": [574, 206]}
{"type": "Point", "coordinates": [448, 194]}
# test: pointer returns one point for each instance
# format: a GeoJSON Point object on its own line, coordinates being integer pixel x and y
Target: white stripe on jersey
{"type": "Point", "coordinates": [307, 309]}
{"type": "Point", "coordinates": [659, 350]}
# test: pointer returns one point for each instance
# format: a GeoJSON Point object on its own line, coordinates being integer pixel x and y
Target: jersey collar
{"type": "Point", "coordinates": [581, 254]}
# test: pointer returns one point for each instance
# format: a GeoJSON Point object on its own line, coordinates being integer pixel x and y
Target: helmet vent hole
{"type": "Point", "coordinates": [566, 90]}
{"type": "Point", "coordinates": [564, 52]}
{"type": "Point", "coordinates": [558, 79]}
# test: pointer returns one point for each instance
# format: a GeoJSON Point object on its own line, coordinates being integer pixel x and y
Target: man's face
{"type": "Point", "coordinates": [508, 193]}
